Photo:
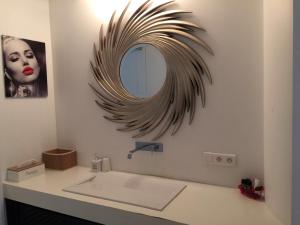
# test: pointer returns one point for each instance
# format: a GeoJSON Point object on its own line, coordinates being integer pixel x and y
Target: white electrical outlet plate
{"type": "Point", "coordinates": [220, 159]}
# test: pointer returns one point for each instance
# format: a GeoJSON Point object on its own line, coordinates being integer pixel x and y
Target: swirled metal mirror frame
{"type": "Point", "coordinates": [167, 31]}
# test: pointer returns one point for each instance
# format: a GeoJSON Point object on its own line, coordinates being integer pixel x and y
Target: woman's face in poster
{"type": "Point", "coordinates": [21, 63]}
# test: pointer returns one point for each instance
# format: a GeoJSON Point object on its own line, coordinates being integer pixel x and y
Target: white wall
{"type": "Point", "coordinates": [278, 80]}
{"type": "Point", "coordinates": [232, 121]}
{"type": "Point", "coordinates": [28, 126]}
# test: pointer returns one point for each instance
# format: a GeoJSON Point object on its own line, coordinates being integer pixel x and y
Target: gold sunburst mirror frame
{"type": "Point", "coordinates": [166, 30]}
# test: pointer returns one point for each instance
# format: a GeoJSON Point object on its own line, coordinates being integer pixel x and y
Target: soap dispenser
{"type": "Point", "coordinates": [96, 164]}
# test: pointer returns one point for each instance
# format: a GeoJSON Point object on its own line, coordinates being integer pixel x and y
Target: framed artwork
{"type": "Point", "coordinates": [24, 67]}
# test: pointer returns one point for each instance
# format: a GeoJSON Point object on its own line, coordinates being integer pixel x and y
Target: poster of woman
{"type": "Point", "coordinates": [24, 65]}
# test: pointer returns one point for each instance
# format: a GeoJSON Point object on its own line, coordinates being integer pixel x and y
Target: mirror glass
{"type": "Point", "coordinates": [143, 70]}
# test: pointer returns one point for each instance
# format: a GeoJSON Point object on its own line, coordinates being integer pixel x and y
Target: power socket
{"type": "Point", "coordinates": [220, 159]}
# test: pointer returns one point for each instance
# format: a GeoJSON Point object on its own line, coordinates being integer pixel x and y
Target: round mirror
{"type": "Point", "coordinates": [143, 70]}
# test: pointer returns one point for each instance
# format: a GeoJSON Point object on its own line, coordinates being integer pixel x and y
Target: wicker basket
{"type": "Point", "coordinates": [60, 159]}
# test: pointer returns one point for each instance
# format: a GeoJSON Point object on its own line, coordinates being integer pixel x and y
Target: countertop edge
{"type": "Point", "coordinates": [80, 209]}
{"type": "Point", "coordinates": [198, 204]}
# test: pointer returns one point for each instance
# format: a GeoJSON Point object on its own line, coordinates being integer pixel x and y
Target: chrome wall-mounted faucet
{"type": "Point", "coordinates": [146, 146]}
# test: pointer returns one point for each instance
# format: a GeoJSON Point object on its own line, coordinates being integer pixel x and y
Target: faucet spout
{"type": "Point", "coordinates": [129, 156]}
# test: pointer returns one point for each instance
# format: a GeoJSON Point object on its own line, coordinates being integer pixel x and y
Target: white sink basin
{"type": "Point", "coordinates": [145, 191]}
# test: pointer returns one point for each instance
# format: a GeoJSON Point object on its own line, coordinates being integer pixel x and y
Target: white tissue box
{"type": "Point", "coordinates": [19, 175]}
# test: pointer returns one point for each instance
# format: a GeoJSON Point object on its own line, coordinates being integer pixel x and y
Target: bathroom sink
{"type": "Point", "coordinates": [140, 190]}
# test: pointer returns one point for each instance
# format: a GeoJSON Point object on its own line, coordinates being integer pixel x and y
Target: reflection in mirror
{"type": "Point", "coordinates": [143, 70]}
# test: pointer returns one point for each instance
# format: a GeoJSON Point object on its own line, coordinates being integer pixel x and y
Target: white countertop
{"type": "Point", "coordinates": [198, 204]}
